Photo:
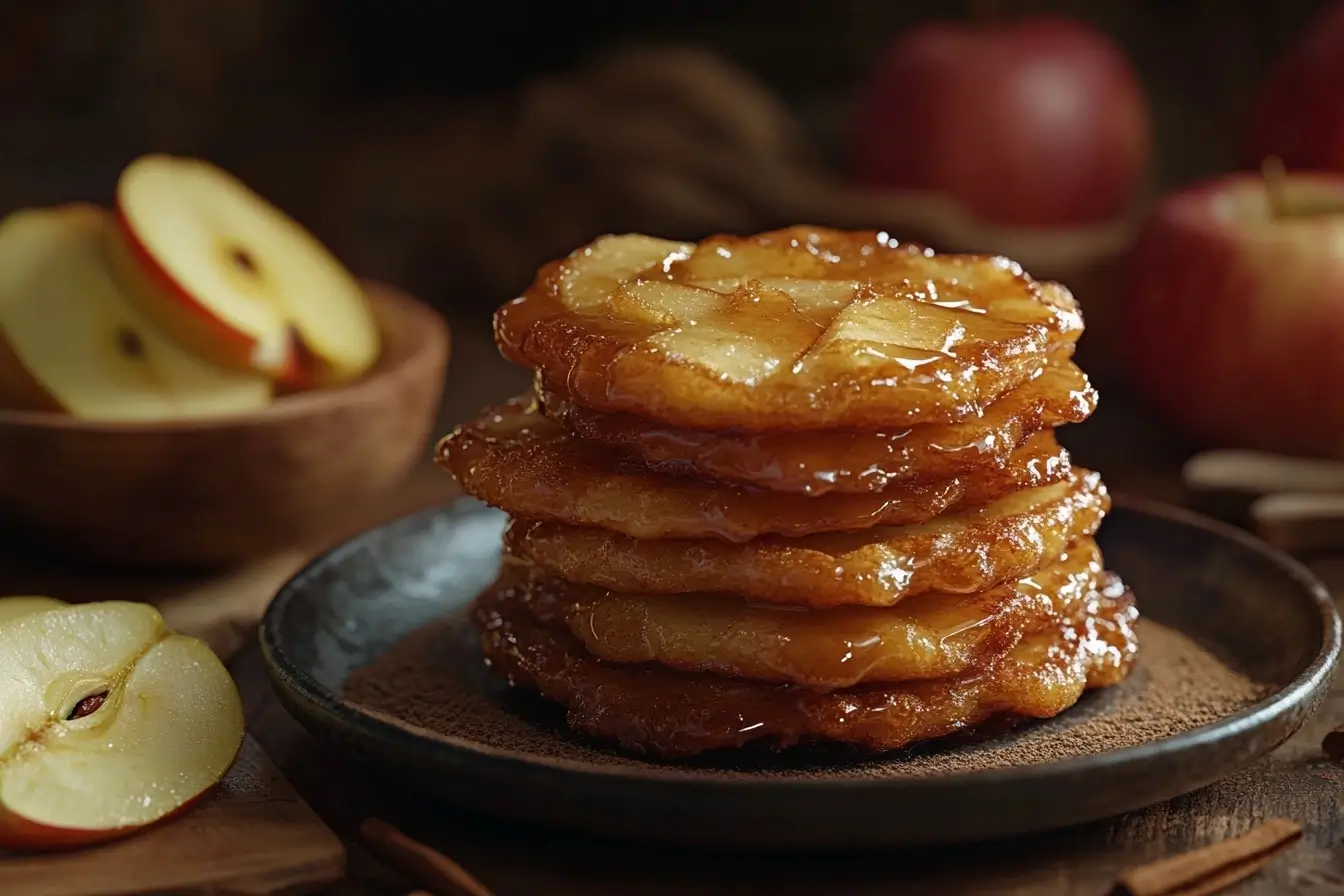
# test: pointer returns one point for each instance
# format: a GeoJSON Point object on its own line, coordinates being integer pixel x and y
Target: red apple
{"type": "Point", "coordinates": [1034, 122]}
{"type": "Point", "coordinates": [1234, 320]}
{"type": "Point", "coordinates": [235, 279]}
{"type": "Point", "coordinates": [1298, 115]}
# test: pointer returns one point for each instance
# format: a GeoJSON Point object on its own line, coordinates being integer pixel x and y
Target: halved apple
{"type": "Point", "coordinates": [109, 722]}
{"type": "Point", "coordinates": [22, 604]}
{"type": "Point", "coordinates": [236, 279]}
{"type": "Point", "coordinates": [70, 340]}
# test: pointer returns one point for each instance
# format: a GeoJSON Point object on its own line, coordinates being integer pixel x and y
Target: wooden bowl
{"type": "Point", "coordinates": [211, 493]}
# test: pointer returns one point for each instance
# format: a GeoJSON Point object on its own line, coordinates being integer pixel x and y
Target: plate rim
{"type": "Point", "coordinates": [1313, 680]}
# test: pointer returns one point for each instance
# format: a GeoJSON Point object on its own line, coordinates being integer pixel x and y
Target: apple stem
{"type": "Point", "coordinates": [1274, 173]}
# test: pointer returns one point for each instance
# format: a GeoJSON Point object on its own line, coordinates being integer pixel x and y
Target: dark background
{"type": "Point", "coordinates": [363, 119]}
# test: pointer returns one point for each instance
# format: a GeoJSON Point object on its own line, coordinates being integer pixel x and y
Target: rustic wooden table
{"type": "Point", "coordinates": [1296, 782]}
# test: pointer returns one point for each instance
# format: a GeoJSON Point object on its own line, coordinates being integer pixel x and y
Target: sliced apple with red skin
{"type": "Point", "coordinates": [110, 722]}
{"type": "Point", "coordinates": [70, 340]}
{"type": "Point", "coordinates": [236, 279]}
{"type": "Point", "coordinates": [22, 604]}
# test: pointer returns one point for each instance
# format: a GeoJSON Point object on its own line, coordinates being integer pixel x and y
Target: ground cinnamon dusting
{"type": "Point", "coordinates": [434, 681]}
{"type": "Point", "coordinates": [1176, 687]}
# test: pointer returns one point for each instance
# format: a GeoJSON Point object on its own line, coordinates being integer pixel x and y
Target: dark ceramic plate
{"type": "Point", "coordinates": [1182, 720]}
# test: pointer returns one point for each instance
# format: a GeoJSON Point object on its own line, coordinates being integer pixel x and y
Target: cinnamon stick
{"type": "Point", "coordinates": [1333, 744]}
{"type": "Point", "coordinates": [428, 867]}
{"type": "Point", "coordinates": [1214, 867]}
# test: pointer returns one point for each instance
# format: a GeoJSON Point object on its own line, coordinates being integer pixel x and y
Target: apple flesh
{"type": "Point", "coordinates": [110, 722]}
{"type": "Point", "coordinates": [1298, 114]}
{"type": "Point", "coordinates": [23, 604]}
{"type": "Point", "coordinates": [1035, 122]}
{"type": "Point", "coordinates": [236, 279]}
{"type": "Point", "coordinates": [70, 340]}
{"type": "Point", "coordinates": [1233, 324]}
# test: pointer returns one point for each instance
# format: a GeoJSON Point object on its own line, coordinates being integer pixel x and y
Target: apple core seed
{"type": "Point", "coordinates": [129, 343]}
{"type": "Point", "coordinates": [87, 707]}
{"type": "Point", "coordinates": [242, 259]}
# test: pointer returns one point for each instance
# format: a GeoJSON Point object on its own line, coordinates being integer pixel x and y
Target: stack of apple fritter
{"type": "Point", "coordinates": [802, 486]}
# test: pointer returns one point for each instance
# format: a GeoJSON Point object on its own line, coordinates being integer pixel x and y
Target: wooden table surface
{"type": "Point", "coordinates": [1296, 782]}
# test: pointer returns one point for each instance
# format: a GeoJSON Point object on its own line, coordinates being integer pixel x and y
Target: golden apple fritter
{"type": "Point", "coordinates": [803, 328]}
{"type": "Point", "coordinates": [930, 636]}
{"type": "Point", "coordinates": [816, 462]}
{"type": "Point", "coordinates": [649, 708]}
{"type": "Point", "coordinates": [797, 486]}
{"type": "Point", "coordinates": [959, 553]}
{"type": "Point", "coordinates": [515, 458]}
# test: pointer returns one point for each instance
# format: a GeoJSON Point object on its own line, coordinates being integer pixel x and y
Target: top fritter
{"type": "Point", "coordinates": [803, 328]}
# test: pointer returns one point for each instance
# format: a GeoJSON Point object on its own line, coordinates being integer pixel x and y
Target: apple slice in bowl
{"type": "Point", "coordinates": [71, 340]}
{"type": "Point", "coordinates": [110, 722]}
{"type": "Point", "coordinates": [206, 492]}
{"type": "Point", "coordinates": [237, 280]}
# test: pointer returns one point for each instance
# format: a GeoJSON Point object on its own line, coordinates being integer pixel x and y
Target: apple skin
{"type": "Point", "coordinates": [1233, 324]}
{"type": "Point", "coordinates": [1298, 113]}
{"type": "Point", "coordinates": [1037, 122]}
{"type": "Point", "coordinates": [19, 834]}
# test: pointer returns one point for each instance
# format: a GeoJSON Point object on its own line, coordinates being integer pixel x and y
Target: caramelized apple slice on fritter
{"type": "Point", "coordinates": [654, 710]}
{"type": "Point", "coordinates": [798, 329]}
{"type": "Point", "coordinates": [933, 635]}
{"type": "Point", "coordinates": [514, 457]}
{"type": "Point", "coordinates": [815, 462]}
{"type": "Point", "coordinates": [960, 552]}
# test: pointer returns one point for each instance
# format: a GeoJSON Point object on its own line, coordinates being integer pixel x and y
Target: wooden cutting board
{"type": "Point", "coordinates": [254, 835]}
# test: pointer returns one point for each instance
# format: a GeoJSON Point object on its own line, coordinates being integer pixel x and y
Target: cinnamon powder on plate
{"type": "Point", "coordinates": [434, 682]}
